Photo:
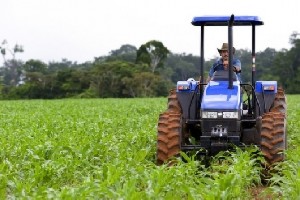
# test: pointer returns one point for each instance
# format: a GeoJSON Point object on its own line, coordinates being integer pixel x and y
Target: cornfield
{"type": "Point", "coordinates": [106, 149]}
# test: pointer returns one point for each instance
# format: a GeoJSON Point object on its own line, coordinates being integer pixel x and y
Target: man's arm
{"type": "Point", "coordinates": [211, 72]}
{"type": "Point", "coordinates": [237, 66]}
{"type": "Point", "coordinates": [208, 79]}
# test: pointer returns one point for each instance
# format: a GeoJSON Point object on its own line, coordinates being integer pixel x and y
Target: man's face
{"type": "Point", "coordinates": [224, 54]}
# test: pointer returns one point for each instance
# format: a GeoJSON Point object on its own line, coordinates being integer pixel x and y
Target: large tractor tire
{"type": "Point", "coordinates": [168, 130]}
{"type": "Point", "coordinates": [279, 104]}
{"type": "Point", "coordinates": [173, 103]}
{"type": "Point", "coordinates": [273, 131]}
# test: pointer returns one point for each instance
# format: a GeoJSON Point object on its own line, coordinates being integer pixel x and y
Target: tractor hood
{"type": "Point", "coordinates": [217, 96]}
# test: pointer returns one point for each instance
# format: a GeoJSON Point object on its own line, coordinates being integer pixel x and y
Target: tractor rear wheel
{"type": "Point", "coordinates": [168, 130]}
{"type": "Point", "coordinates": [273, 131]}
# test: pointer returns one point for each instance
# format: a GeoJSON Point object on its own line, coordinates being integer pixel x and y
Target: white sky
{"type": "Point", "coordinates": [80, 30]}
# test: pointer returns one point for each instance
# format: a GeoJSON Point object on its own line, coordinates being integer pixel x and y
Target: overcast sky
{"type": "Point", "coordinates": [80, 30]}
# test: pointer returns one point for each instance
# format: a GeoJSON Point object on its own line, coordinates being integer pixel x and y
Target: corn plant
{"type": "Point", "coordinates": [106, 148]}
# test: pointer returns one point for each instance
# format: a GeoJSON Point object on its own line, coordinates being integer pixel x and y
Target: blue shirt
{"type": "Point", "coordinates": [218, 65]}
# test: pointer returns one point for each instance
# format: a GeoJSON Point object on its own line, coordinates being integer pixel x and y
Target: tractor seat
{"type": "Point", "coordinates": [223, 75]}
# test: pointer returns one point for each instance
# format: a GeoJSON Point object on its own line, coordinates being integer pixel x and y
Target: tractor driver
{"type": "Point", "coordinates": [222, 63]}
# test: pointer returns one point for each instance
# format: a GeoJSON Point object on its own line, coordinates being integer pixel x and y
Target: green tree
{"type": "Point", "coordinates": [153, 53]}
{"type": "Point", "coordinates": [287, 66]}
{"type": "Point", "coordinates": [12, 69]}
{"type": "Point", "coordinates": [35, 66]}
{"type": "Point", "coordinates": [71, 82]}
{"type": "Point", "coordinates": [5, 49]}
{"type": "Point", "coordinates": [125, 53]}
{"type": "Point", "coordinates": [265, 66]}
{"type": "Point", "coordinates": [106, 78]}
{"type": "Point", "coordinates": [63, 65]}
{"type": "Point", "coordinates": [145, 84]}
{"type": "Point", "coordinates": [181, 67]}
{"type": "Point", "coordinates": [12, 72]}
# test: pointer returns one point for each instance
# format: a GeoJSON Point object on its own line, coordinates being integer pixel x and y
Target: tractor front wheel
{"type": "Point", "coordinates": [273, 136]}
{"type": "Point", "coordinates": [274, 130]}
{"type": "Point", "coordinates": [168, 130]}
{"type": "Point", "coordinates": [168, 138]}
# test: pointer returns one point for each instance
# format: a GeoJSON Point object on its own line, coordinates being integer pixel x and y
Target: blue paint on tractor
{"type": "Point", "coordinates": [267, 87]}
{"type": "Point", "coordinates": [217, 96]}
{"type": "Point", "coordinates": [223, 21]}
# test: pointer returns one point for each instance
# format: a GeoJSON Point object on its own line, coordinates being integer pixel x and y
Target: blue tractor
{"type": "Point", "coordinates": [211, 117]}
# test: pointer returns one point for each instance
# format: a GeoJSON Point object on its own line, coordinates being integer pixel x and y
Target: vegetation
{"type": "Point", "coordinates": [105, 149]}
{"type": "Point", "coordinates": [149, 71]}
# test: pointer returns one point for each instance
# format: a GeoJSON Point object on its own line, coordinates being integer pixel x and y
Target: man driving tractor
{"type": "Point", "coordinates": [222, 63]}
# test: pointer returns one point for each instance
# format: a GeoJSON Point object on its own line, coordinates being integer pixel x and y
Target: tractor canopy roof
{"type": "Point", "coordinates": [223, 21]}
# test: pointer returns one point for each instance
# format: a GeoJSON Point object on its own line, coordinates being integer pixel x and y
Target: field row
{"type": "Point", "coordinates": [106, 148]}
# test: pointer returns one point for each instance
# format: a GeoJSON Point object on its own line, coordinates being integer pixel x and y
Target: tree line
{"type": "Point", "coordinates": [148, 71]}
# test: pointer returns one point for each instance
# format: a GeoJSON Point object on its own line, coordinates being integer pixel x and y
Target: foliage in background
{"type": "Point", "coordinates": [152, 70]}
{"type": "Point", "coordinates": [153, 53]}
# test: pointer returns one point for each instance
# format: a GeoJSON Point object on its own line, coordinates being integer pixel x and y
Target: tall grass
{"type": "Point", "coordinates": [105, 149]}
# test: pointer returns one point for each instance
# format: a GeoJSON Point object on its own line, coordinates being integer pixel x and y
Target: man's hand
{"type": "Point", "coordinates": [236, 69]}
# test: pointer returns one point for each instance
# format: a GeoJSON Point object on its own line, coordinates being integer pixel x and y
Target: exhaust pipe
{"type": "Point", "coordinates": [230, 45]}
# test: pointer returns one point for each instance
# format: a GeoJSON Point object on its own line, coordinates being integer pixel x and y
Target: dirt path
{"type": "Point", "coordinates": [259, 193]}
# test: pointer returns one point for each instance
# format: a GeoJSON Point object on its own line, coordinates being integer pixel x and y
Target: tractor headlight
{"type": "Point", "coordinates": [230, 115]}
{"type": "Point", "coordinates": [206, 114]}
